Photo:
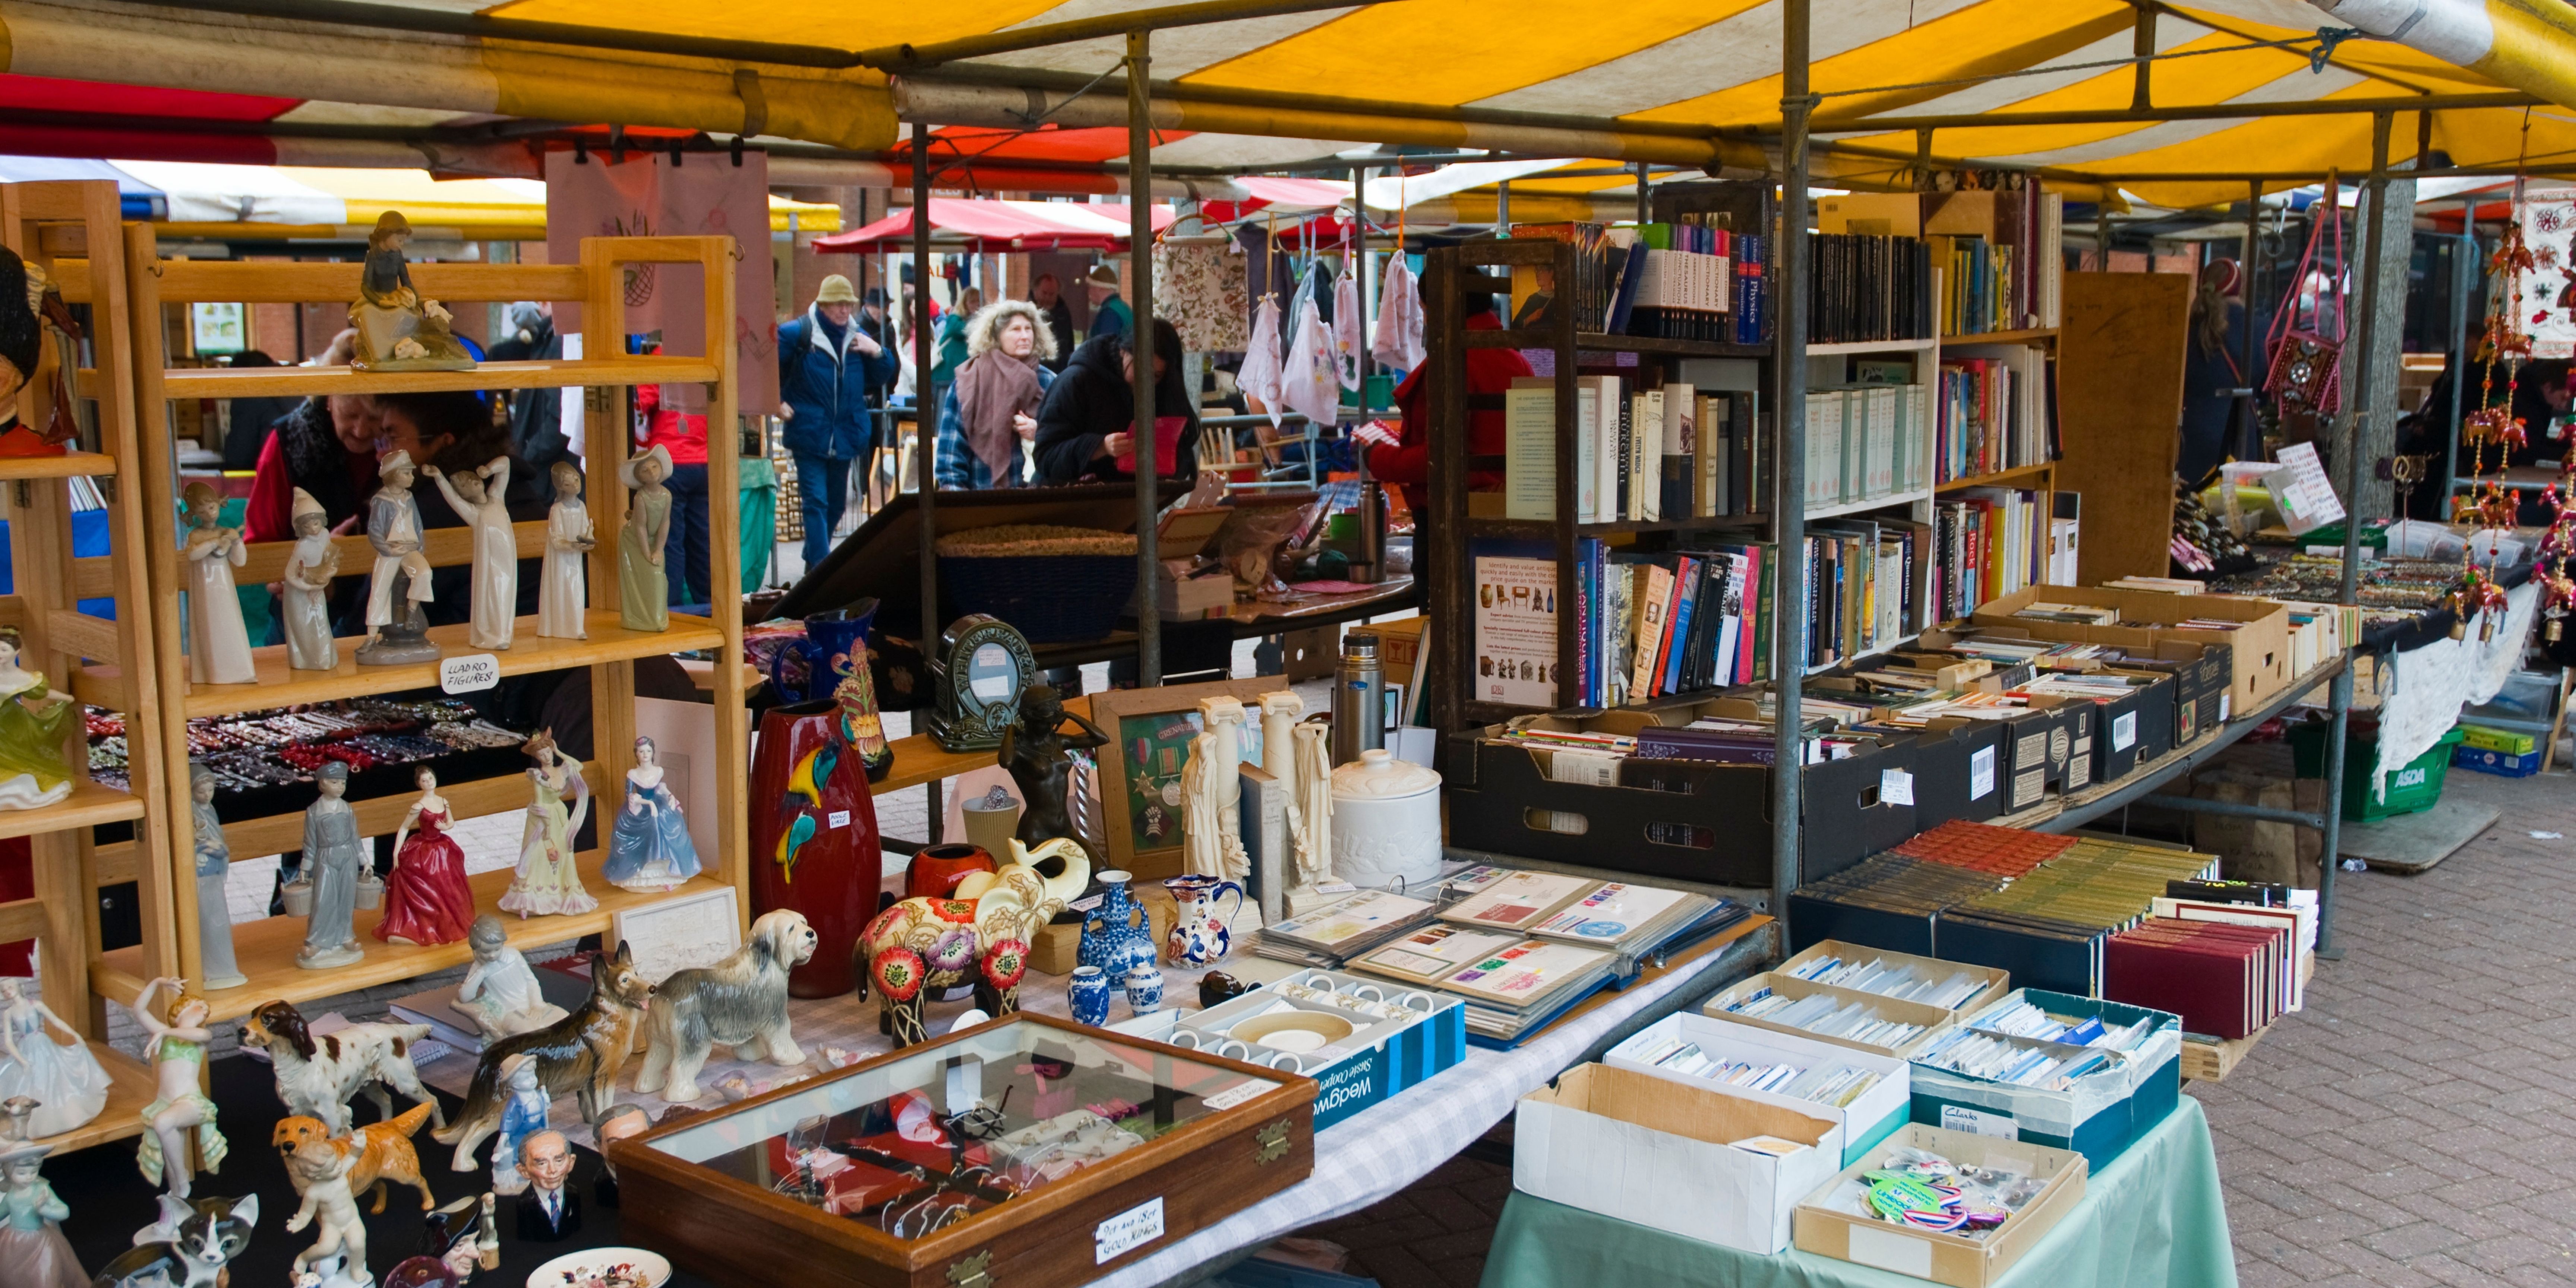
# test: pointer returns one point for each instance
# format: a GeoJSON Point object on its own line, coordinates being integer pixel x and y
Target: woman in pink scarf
{"type": "Point", "coordinates": [991, 409]}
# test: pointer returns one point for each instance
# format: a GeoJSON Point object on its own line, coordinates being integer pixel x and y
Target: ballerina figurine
{"type": "Point", "coordinates": [305, 586]}
{"type": "Point", "coordinates": [33, 1252]}
{"type": "Point", "coordinates": [63, 1078]}
{"type": "Point", "coordinates": [650, 850]}
{"type": "Point", "coordinates": [643, 584]}
{"type": "Point", "coordinates": [214, 872]}
{"type": "Point", "coordinates": [218, 646]}
{"type": "Point", "coordinates": [397, 329]}
{"type": "Point", "coordinates": [477, 498]}
{"type": "Point", "coordinates": [427, 899]}
{"type": "Point", "coordinates": [177, 1049]}
{"type": "Point", "coordinates": [548, 882]}
{"type": "Point", "coordinates": [563, 597]}
{"type": "Point", "coordinates": [33, 772]}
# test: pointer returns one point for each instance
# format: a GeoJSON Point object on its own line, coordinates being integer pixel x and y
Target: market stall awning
{"type": "Point", "coordinates": [209, 200]}
{"type": "Point", "coordinates": [988, 226]}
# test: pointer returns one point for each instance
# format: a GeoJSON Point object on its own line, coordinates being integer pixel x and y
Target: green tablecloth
{"type": "Point", "coordinates": [2153, 1217]}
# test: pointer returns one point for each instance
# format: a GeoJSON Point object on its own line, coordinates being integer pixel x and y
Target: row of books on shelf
{"type": "Point", "coordinates": [1991, 542]}
{"type": "Point", "coordinates": [1641, 455]}
{"type": "Point", "coordinates": [1866, 441]}
{"type": "Point", "coordinates": [1998, 255]}
{"type": "Point", "coordinates": [1997, 413]}
{"type": "Point", "coordinates": [1868, 288]}
{"type": "Point", "coordinates": [1649, 624]}
{"type": "Point", "coordinates": [1687, 279]}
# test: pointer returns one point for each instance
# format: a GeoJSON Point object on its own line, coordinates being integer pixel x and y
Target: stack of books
{"type": "Point", "coordinates": [1643, 455]}
{"type": "Point", "coordinates": [1866, 441]}
{"type": "Point", "coordinates": [1652, 624]}
{"type": "Point", "coordinates": [1346, 928]}
{"type": "Point", "coordinates": [2223, 979]}
{"type": "Point", "coordinates": [2049, 927]}
{"type": "Point", "coordinates": [1864, 288]}
{"type": "Point", "coordinates": [2006, 852]}
{"type": "Point", "coordinates": [1887, 900]}
{"type": "Point", "coordinates": [1988, 542]}
{"type": "Point", "coordinates": [1996, 413]}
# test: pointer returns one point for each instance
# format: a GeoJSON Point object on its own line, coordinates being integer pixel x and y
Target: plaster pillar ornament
{"type": "Point", "coordinates": [1311, 822]}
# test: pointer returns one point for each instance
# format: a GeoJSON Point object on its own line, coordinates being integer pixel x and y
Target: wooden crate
{"type": "Point", "coordinates": [2205, 1060]}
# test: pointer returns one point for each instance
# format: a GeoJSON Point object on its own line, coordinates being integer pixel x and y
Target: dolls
{"type": "Point", "coordinates": [564, 596]}
{"type": "Point", "coordinates": [33, 1252]}
{"type": "Point", "coordinates": [476, 497]}
{"type": "Point", "coordinates": [524, 1115]}
{"type": "Point", "coordinates": [32, 770]}
{"type": "Point", "coordinates": [397, 629]}
{"type": "Point", "coordinates": [214, 869]}
{"type": "Point", "coordinates": [547, 881]}
{"type": "Point", "coordinates": [177, 1049]}
{"type": "Point", "coordinates": [63, 1078]}
{"type": "Point", "coordinates": [500, 992]}
{"type": "Point", "coordinates": [427, 899]}
{"type": "Point", "coordinates": [332, 855]}
{"type": "Point", "coordinates": [643, 585]}
{"type": "Point", "coordinates": [650, 850]}
{"type": "Point", "coordinates": [218, 646]}
{"type": "Point", "coordinates": [305, 588]}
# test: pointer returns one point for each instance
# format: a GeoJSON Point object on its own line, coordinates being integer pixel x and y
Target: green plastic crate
{"type": "Point", "coordinates": [2412, 788]}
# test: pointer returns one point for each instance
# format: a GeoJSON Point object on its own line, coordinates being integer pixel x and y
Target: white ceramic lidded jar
{"type": "Point", "coordinates": [1386, 822]}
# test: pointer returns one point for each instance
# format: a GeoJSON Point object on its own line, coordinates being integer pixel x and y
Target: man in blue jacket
{"type": "Point", "coordinates": [828, 373]}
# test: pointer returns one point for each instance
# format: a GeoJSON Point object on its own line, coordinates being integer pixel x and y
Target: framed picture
{"type": "Point", "coordinates": [1140, 770]}
{"type": "Point", "coordinates": [218, 329]}
{"type": "Point", "coordinates": [680, 932]}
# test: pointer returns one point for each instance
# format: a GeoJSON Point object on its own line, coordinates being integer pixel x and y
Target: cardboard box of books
{"type": "Point", "coordinates": [2031, 748]}
{"type": "Point", "coordinates": [1695, 1161]}
{"type": "Point", "coordinates": [1870, 1095]}
{"type": "Point", "coordinates": [1398, 1039]}
{"type": "Point", "coordinates": [2259, 640]}
{"type": "Point", "coordinates": [1844, 1017]}
{"type": "Point", "coordinates": [1837, 1221]}
{"type": "Point", "coordinates": [1958, 774]}
{"type": "Point", "coordinates": [1956, 987]}
{"type": "Point", "coordinates": [2053, 1069]}
{"type": "Point", "coordinates": [2199, 673]}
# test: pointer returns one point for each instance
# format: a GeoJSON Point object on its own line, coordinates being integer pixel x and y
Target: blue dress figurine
{"type": "Point", "coordinates": [649, 850]}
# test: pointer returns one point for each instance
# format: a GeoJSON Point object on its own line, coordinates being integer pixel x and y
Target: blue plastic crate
{"type": "Point", "coordinates": [2500, 764]}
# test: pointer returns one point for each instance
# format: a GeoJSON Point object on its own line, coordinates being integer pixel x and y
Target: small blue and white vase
{"type": "Point", "coordinates": [1088, 995]}
{"type": "Point", "coordinates": [1145, 989]}
{"type": "Point", "coordinates": [1118, 936]}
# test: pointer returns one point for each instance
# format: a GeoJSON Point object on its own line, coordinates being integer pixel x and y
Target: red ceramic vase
{"type": "Point", "coordinates": [935, 871]}
{"type": "Point", "coordinates": [814, 841]}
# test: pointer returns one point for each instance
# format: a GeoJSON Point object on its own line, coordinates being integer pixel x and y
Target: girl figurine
{"type": "Point", "coordinates": [476, 496]}
{"type": "Point", "coordinates": [650, 850]}
{"type": "Point", "coordinates": [397, 329]}
{"type": "Point", "coordinates": [427, 900]}
{"type": "Point", "coordinates": [218, 646]}
{"type": "Point", "coordinates": [643, 586]}
{"type": "Point", "coordinates": [523, 1116]}
{"type": "Point", "coordinates": [547, 883]}
{"type": "Point", "coordinates": [177, 1050]}
{"type": "Point", "coordinates": [63, 1078]}
{"type": "Point", "coordinates": [33, 1252]}
{"type": "Point", "coordinates": [305, 587]}
{"type": "Point", "coordinates": [214, 869]}
{"type": "Point", "coordinates": [32, 770]}
{"type": "Point", "coordinates": [564, 595]}
{"type": "Point", "coordinates": [500, 993]}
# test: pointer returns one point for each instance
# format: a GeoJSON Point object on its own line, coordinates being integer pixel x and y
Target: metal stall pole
{"type": "Point", "coordinates": [2249, 429]}
{"type": "Point", "coordinates": [1503, 208]}
{"type": "Point", "coordinates": [1788, 475]}
{"type": "Point", "coordinates": [2339, 701]}
{"type": "Point", "coordinates": [923, 423]}
{"type": "Point", "coordinates": [1140, 266]}
{"type": "Point", "coordinates": [1645, 195]}
{"type": "Point", "coordinates": [2464, 274]}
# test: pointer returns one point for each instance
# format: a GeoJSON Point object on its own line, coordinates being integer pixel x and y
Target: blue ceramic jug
{"type": "Point", "coordinates": [834, 642]}
{"type": "Point", "coordinates": [1118, 936]}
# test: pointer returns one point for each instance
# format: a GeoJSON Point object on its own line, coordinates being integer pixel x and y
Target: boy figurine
{"type": "Point", "coordinates": [333, 853]}
{"type": "Point", "coordinates": [397, 629]}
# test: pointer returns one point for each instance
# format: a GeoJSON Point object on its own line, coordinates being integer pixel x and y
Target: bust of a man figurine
{"type": "Point", "coordinates": [620, 1123]}
{"type": "Point", "coordinates": [549, 1211]}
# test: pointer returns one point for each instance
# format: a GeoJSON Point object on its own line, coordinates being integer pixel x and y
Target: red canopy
{"type": "Point", "coordinates": [992, 225]}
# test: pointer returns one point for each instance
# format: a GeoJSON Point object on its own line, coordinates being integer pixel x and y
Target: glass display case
{"type": "Point", "coordinates": [976, 1158]}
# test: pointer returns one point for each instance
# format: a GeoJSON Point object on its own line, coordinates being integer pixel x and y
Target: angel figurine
{"type": "Point", "coordinates": [397, 329]}
{"type": "Point", "coordinates": [564, 595]}
{"type": "Point", "coordinates": [33, 772]}
{"type": "Point", "coordinates": [476, 496]}
{"type": "Point", "coordinates": [218, 646]}
{"type": "Point", "coordinates": [305, 588]}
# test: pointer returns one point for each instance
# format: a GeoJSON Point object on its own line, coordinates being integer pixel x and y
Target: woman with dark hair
{"type": "Point", "coordinates": [1087, 423]}
{"type": "Point", "coordinates": [253, 420]}
{"type": "Point", "coordinates": [452, 430]}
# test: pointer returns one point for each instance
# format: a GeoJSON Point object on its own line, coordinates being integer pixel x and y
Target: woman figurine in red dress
{"type": "Point", "coordinates": [427, 900]}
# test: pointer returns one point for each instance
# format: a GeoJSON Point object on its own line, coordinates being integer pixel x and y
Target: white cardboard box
{"type": "Point", "coordinates": [1643, 1149]}
{"type": "Point", "coordinates": [1869, 1117]}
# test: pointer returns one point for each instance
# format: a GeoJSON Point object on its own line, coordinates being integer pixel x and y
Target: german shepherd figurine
{"type": "Point", "coordinates": [582, 1054]}
{"type": "Point", "coordinates": [188, 1247]}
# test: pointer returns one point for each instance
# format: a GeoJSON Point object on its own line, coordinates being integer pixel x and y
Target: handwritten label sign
{"type": "Point", "coordinates": [471, 673]}
{"type": "Point", "coordinates": [1133, 1228]}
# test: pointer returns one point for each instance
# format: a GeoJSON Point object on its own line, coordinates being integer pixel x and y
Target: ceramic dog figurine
{"type": "Point", "coordinates": [385, 1152]}
{"type": "Point", "coordinates": [740, 1002]}
{"type": "Point", "coordinates": [187, 1248]}
{"type": "Point", "coordinates": [580, 1054]}
{"type": "Point", "coordinates": [317, 1076]}
{"type": "Point", "coordinates": [984, 932]}
{"type": "Point", "coordinates": [320, 1168]}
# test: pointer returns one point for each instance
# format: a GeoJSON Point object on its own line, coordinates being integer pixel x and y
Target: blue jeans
{"type": "Point", "coordinates": [684, 546]}
{"type": "Point", "coordinates": [822, 491]}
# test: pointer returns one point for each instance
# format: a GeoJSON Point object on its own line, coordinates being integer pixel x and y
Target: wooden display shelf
{"type": "Point", "coordinates": [2000, 478]}
{"type": "Point", "coordinates": [129, 1089]}
{"type": "Point", "coordinates": [1540, 338]}
{"type": "Point", "coordinates": [67, 465]}
{"type": "Point", "coordinates": [533, 373]}
{"type": "Point", "coordinates": [89, 805]}
{"type": "Point", "coordinates": [1830, 347]}
{"type": "Point", "coordinates": [2031, 335]}
{"type": "Point", "coordinates": [254, 838]}
{"type": "Point", "coordinates": [919, 759]}
{"type": "Point", "coordinates": [265, 949]}
{"type": "Point", "coordinates": [280, 686]}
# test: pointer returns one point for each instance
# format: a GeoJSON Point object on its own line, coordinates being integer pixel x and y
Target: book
{"type": "Point", "coordinates": [1518, 901]}
{"type": "Point", "coordinates": [1345, 927]}
{"type": "Point", "coordinates": [1432, 953]}
{"type": "Point", "coordinates": [1529, 448]}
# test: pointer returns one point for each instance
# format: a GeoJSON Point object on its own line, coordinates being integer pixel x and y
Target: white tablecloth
{"type": "Point", "coordinates": [2435, 682]}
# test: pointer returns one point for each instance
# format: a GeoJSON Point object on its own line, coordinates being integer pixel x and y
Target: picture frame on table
{"type": "Point", "coordinates": [680, 932]}
{"type": "Point", "coordinates": [1140, 768]}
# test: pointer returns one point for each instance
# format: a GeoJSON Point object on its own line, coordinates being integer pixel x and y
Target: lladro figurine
{"type": "Point", "coordinates": [427, 899]}
{"type": "Point", "coordinates": [177, 1049]}
{"type": "Point", "coordinates": [493, 613]}
{"type": "Point", "coordinates": [33, 1252]}
{"type": "Point", "coordinates": [218, 646]}
{"type": "Point", "coordinates": [332, 855]}
{"type": "Point", "coordinates": [564, 596]}
{"type": "Point", "coordinates": [397, 329]}
{"type": "Point", "coordinates": [397, 629]}
{"type": "Point", "coordinates": [548, 882]}
{"type": "Point", "coordinates": [320, 1168]}
{"type": "Point", "coordinates": [63, 1078]}
{"type": "Point", "coordinates": [649, 850]}
{"type": "Point", "coordinates": [643, 584]}
{"type": "Point", "coordinates": [305, 586]}
{"type": "Point", "coordinates": [500, 992]}
{"type": "Point", "coordinates": [32, 770]}
{"type": "Point", "coordinates": [214, 867]}
{"type": "Point", "coordinates": [523, 1116]}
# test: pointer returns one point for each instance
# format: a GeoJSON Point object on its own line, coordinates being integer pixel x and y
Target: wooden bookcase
{"type": "Point", "coordinates": [266, 949]}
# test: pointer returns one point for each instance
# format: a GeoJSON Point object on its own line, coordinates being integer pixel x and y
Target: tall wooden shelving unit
{"type": "Point", "coordinates": [266, 949]}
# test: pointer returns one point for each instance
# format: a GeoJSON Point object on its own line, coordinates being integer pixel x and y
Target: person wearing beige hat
{"type": "Point", "coordinates": [828, 368]}
{"type": "Point", "coordinates": [1109, 314]}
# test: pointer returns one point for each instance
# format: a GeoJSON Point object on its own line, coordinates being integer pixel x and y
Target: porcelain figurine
{"type": "Point", "coordinates": [476, 496]}
{"type": "Point", "coordinates": [524, 1115]}
{"type": "Point", "coordinates": [333, 854]}
{"type": "Point", "coordinates": [1117, 936]}
{"type": "Point", "coordinates": [1212, 794]}
{"type": "Point", "coordinates": [320, 1169]}
{"type": "Point", "coordinates": [397, 329]}
{"type": "Point", "coordinates": [177, 1049]}
{"type": "Point", "coordinates": [214, 872]}
{"type": "Point", "coordinates": [33, 772]}
{"type": "Point", "coordinates": [305, 589]}
{"type": "Point", "coordinates": [563, 598]}
{"type": "Point", "coordinates": [740, 1001]}
{"type": "Point", "coordinates": [218, 646]}
{"type": "Point", "coordinates": [548, 881]}
{"type": "Point", "coordinates": [500, 991]}
{"type": "Point", "coordinates": [1200, 935]}
{"type": "Point", "coordinates": [579, 1055]}
{"type": "Point", "coordinates": [20, 1111]}
{"type": "Point", "coordinates": [33, 1251]}
{"type": "Point", "coordinates": [1039, 755]}
{"type": "Point", "coordinates": [385, 1153]}
{"type": "Point", "coordinates": [427, 899]}
{"type": "Point", "coordinates": [549, 1211]}
{"type": "Point", "coordinates": [188, 1247]}
{"type": "Point", "coordinates": [1087, 996]}
{"type": "Point", "coordinates": [63, 1078]}
{"type": "Point", "coordinates": [1145, 989]}
{"type": "Point", "coordinates": [319, 1074]}
{"type": "Point", "coordinates": [449, 1257]}
{"type": "Point", "coordinates": [622, 1122]}
{"type": "Point", "coordinates": [643, 584]}
{"type": "Point", "coordinates": [397, 629]}
{"type": "Point", "coordinates": [649, 849]}
{"type": "Point", "coordinates": [1310, 824]}
{"type": "Point", "coordinates": [981, 936]}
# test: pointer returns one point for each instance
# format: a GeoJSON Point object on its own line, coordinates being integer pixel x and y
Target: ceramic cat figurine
{"type": "Point", "coordinates": [187, 1248]}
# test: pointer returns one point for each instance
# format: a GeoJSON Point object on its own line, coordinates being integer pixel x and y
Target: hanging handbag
{"type": "Point", "coordinates": [2305, 362]}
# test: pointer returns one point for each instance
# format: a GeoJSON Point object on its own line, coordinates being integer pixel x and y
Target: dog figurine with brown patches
{"type": "Point", "coordinates": [317, 1076]}
{"type": "Point", "coordinates": [385, 1152]}
{"type": "Point", "coordinates": [580, 1054]}
{"type": "Point", "coordinates": [740, 1002]}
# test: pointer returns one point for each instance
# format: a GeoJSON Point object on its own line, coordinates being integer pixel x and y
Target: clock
{"type": "Point", "coordinates": [980, 669]}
